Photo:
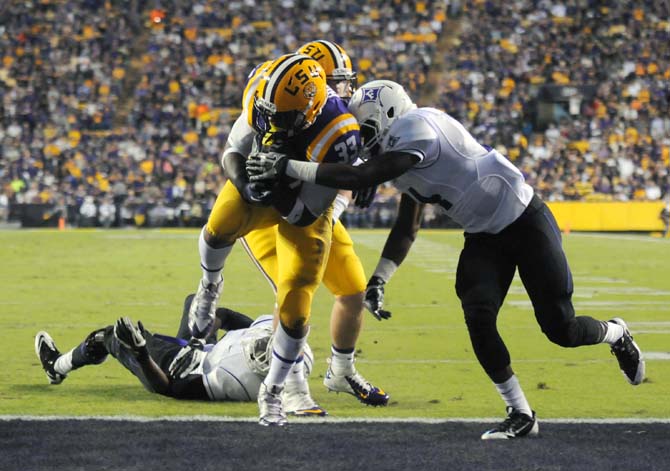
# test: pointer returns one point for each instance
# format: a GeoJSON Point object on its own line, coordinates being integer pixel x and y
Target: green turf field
{"type": "Point", "coordinates": [72, 282]}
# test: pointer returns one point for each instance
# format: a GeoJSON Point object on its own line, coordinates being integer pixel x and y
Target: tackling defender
{"type": "Point", "coordinates": [344, 275]}
{"type": "Point", "coordinates": [432, 158]}
{"type": "Point", "coordinates": [230, 370]}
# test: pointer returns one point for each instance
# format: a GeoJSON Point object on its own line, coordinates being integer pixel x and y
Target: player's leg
{"type": "Point", "coordinates": [345, 279]}
{"type": "Point", "coordinates": [261, 246]}
{"type": "Point", "coordinates": [544, 270]}
{"type": "Point", "coordinates": [57, 366]}
{"type": "Point", "coordinates": [231, 218]}
{"type": "Point", "coordinates": [225, 319]}
{"type": "Point", "coordinates": [485, 272]}
{"type": "Point", "coordinates": [302, 255]}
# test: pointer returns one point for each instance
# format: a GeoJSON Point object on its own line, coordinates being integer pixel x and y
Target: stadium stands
{"type": "Point", "coordinates": [131, 102]}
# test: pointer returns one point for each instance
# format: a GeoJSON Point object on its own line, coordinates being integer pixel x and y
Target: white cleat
{"type": "Point", "coordinates": [203, 308]}
{"type": "Point", "coordinates": [298, 401]}
{"type": "Point", "coordinates": [271, 410]}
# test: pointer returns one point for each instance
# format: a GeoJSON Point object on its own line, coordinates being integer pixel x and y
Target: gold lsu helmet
{"type": "Point", "coordinates": [289, 94]}
{"type": "Point", "coordinates": [332, 57]}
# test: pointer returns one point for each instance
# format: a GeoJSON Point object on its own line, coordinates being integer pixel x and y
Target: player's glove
{"type": "Point", "coordinates": [130, 336]}
{"type": "Point", "coordinates": [257, 193]}
{"type": "Point", "coordinates": [374, 298]}
{"type": "Point", "coordinates": [364, 197]}
{"type": "Point", "coordinates": [266, 166]}
{"type": "Point", "coordinates": [187, 360]}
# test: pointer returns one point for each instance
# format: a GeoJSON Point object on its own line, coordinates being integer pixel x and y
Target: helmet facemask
{"type": "Point", "coordinates": [370, 138]}
{"type": "Point", "coordinates": [376, 105]}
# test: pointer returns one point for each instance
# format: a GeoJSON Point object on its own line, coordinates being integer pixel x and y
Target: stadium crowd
{"type": "Point", "coordinates": [609, 60]}
{"type": "Point", "coordinates": [99, 110]}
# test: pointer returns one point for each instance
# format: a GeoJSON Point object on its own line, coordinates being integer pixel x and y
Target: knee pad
{"type": "Point", "coordinates": [480, 316]}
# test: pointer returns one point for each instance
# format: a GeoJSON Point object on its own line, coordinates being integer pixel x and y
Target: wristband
{"type": "Point", "coordinates": [305, 171]}
{"type": "Point", "coordinates": [339, 205]}
{"type": "Point", "coordinates": [385, 269]}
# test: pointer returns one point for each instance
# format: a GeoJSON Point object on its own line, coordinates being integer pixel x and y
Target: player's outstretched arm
{"type": "Point", "coordinates": [131, 337]}
{"type": "Point", "coordinates": [385, 167]}
{"type": "Point", "coordinates": [397, 247]}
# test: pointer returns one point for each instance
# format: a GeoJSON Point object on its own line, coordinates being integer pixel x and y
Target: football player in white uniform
{"type": "Point", "coordinates": [232, 369]}
{"type": "Point", "coordinates": [431, 158]}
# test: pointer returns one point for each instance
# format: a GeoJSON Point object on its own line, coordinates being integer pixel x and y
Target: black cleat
{"type": "Point", "coordinates": [46, 351]}
{"type": "Point", "coordinates": [516, 425]}
{"type": "Point", "coordinates": [628, 354]}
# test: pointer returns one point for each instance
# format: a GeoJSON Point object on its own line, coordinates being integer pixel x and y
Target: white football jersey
{"type": "Point", "coordinates": [479, 188]}
{"type": "Point", "coordinates": [227, 370]}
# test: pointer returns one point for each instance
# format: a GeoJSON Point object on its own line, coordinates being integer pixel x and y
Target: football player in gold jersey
{"type": "Point", "coordinates": [344, 276]}
{"type": "Point", "coordinates": [286, 103]}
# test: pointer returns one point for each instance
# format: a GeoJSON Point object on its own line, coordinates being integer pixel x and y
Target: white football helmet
{"type": "Point", "coordinates": [376, 105]}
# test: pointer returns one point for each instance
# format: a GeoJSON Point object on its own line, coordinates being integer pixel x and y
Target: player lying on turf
{"type": "Point", "coordinates": [232, 369]}
{"type": "Point", "coordinates": [432, 158]}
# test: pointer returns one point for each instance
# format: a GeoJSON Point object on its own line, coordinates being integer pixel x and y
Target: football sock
{"type": "Point", "coordinates": [285, 352]}
{"type": "Point", "coordinates": [613, 332]}
{"type": "Point", "coordinates": [342, 361]}
{"type": "Point", "coordinates": [297, 373]}
{"type": "Point", "coordinates": [513, 395]}
{"type": "Point", "coordinates": [211, 259]}
{"type": "Point", "coordinates": [63, 364]}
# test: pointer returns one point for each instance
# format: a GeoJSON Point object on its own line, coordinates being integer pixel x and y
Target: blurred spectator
{"type": "Point", "coordinates": [88, 213]}
{"type": "Point", "coordinates": [665, 217]}
{"type": "Point", "coordinates": [106, 213]}
{"type": "Point", "coordinates": [4, 207]}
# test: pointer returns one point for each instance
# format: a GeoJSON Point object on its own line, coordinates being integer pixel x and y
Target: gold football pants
{"type": "Point", "coordinates": [301, 252]}
{"type": "Point", "coordinates": [344, 275]}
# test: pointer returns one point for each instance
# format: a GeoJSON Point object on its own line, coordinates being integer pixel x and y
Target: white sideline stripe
{"type": "Point", "coordinates": [640, 238]}
{"type": "Point", "coordinates": [447, 361]}
{"type": "Point", "coordinates": [328, 420]}
{"type": "Point", "coordinates": [656, 355]}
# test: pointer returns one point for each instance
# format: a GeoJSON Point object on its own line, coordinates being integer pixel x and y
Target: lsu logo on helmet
{"type": "Point", "coordinates": [289, 95]}
{"type": "Point", "coordinates": [335, 62]}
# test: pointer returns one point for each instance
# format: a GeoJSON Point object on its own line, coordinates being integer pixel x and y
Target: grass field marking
{"type": "Point", "coordinates": [656, 355]}
{"type": "Point", "coordinates": [446, 361]}
{"type": "Point", "coordinates": [599, 305]}
{"type": "Point", "coordinates": [636, 238]}
{"type": "Point", "coordinates": [586, 291]}
{"type": "Point", "coordinates": [329, 420]}
{"type": "Point", "coordinates": [585, 277]}
{"type": "Point", "coordinates": [429, 256]}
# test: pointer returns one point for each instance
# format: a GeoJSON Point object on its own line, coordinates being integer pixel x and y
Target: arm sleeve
{"type": "Point", "coordinates": [240, 139]}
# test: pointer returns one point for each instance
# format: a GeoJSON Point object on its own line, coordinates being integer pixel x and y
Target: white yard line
{"type": "Point", "coordinates": [328, 420]}
{"type": "Point", "coordinates": [636, 238]}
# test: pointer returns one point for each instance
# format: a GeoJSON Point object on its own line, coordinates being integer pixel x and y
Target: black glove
{"type": "Point", "coordinates": [131, 337]}
{"type": "Point", "coordinates": [257, 193]}
{"type": "Point", "coordinates": [374, 298]}
{"type": "Point", "coordinates": [266, 166]}
{"type": "Point", "coordinates": [364, 197]}
{"type": "Point", "coordinates": [187, 360]}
